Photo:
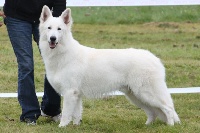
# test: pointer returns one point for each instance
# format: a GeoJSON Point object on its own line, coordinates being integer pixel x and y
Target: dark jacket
{"type": "Point", "coordinates": [30, 10]}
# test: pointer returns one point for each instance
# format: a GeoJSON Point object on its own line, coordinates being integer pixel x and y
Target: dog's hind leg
{"type": "Point", "coordinates": [158, 97]}
{"type": "Point", "coordinates": [150, 112]}
{"type": "Point", "coordinates": [176, 118]}
{"type": "Point", "coordinates": [70, 100]}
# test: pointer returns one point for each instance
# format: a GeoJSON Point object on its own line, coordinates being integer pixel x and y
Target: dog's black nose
{"type": "Point", "coordinates": [53, 38]}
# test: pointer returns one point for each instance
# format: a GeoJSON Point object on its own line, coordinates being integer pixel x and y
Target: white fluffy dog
{"type": "Point", "coordinates": [75, 70]}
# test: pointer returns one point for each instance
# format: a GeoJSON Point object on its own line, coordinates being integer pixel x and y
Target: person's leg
{"type": "Point", "coordinates": [51, 101]}
{"type": "Point", "coordinates": [20, 34]}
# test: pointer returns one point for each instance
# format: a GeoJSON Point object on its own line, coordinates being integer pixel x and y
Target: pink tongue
{"type": "Point", "coordinates": [52, 45]}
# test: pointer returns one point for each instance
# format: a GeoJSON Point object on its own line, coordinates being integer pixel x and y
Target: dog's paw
{"type": "Point", "coordinates": [62, 125]}
{"type": "Point", "coordinates": [178, 122]}
{"type": "Point", "coordinates": [77, 122]}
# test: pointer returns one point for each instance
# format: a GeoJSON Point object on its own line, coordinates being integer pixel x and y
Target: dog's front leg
{"type": "Point", "coordinates": [70, 99]}
{"type": "Point", "coordinates": [77, 114]}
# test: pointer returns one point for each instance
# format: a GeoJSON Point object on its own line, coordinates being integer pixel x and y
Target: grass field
{"type": "Point", "coordinates": [132, 15]}
{"type": "Point", "coordinates": [170, 32]}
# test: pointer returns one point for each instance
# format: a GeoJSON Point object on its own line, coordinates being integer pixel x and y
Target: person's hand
{"type": "Point", "coordinates": [1, 19]}
{"type": "Point", "coordinates": [1, 23]}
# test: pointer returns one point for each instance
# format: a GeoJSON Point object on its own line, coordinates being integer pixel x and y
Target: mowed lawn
{"type": "Point", "coordinates": [171, 33]}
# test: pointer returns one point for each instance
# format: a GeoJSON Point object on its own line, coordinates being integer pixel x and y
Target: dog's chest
{"type": "Point", "coordinates": [55, 82]}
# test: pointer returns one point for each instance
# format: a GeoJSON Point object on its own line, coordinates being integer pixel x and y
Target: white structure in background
{"type": "Point", "coordinates": [130, 2]}
{"type": "Point", "coordinates": [117, 93]}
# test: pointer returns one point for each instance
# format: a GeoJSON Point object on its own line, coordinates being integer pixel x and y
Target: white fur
{"type": "Point", "coordinates": [75, 70]}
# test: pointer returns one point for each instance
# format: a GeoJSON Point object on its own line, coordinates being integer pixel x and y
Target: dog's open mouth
{"type": "Point", "coordinates": [52, 44]}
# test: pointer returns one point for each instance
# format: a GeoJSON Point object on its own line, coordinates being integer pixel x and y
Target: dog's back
{"type": "Point", "coordinates": [108, 70]}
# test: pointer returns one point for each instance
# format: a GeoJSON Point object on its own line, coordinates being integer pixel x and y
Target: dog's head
{"type": "Point", "coordinates": [52, 29]}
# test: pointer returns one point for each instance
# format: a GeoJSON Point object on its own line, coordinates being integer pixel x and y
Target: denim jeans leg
{"type": "Point", "coordinates": [20, 34]}
{"type": "Point", "coordinates": [51, 101]}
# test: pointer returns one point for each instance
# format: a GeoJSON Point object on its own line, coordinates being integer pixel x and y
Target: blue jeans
{"type": "Point", "coordinates": [20, 34]}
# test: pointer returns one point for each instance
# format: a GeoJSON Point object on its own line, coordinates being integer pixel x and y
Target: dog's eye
{"type": "Point", "coordinates": [59, 28]}
{"type": "Point", "coordinates": [49, 27]}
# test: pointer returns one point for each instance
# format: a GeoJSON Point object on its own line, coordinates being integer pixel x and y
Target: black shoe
{"type": "Point", "coordinates": [29, 121]}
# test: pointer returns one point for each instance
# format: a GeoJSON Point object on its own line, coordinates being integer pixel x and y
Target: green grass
{"type": "Point", "coordinates": [113, 115]}
{"type": "Point", "coordinates": [170, 32]}
{"type": "Point", "coordinates": [132, 15]}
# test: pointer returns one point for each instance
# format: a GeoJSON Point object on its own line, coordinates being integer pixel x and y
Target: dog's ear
{"type": "Point", "coordinates": [66, 16]}
{"type": "Point", "coordinates": [46, 13]}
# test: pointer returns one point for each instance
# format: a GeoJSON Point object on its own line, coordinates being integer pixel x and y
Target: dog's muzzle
{"type": "Point", "coordinates": [52, 43]}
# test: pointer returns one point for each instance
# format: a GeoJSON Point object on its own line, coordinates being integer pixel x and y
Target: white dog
{"type": "Point", "coordinates": [75, 70]}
